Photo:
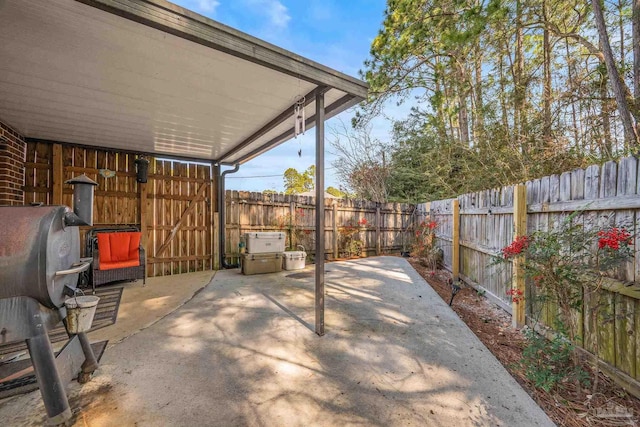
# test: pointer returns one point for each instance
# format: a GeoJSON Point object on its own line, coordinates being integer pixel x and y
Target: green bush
{"type": "Point", "coordinates": [548, 363]}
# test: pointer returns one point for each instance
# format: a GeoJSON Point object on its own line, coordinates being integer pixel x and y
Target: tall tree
{"type": "Point", "coordinates": [296, 182]}
{"type": "Point", "coordinates": [635, 17]}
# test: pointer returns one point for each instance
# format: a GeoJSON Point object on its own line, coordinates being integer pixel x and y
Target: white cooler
{"type": "Point", "coordinates": [294, 260]}
{"type": "Point", "coordinates": [265, 242]}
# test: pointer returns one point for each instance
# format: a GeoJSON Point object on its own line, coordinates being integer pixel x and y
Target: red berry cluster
{"type": "Point", "coordinates": [516, 247]}
{"type": "Point", "coordinates": [363, 221]}
{"type": "Point", "coordinates": [432, 225]}
{"type": "Point", "coordinates": [516, 295]}
{"type": "Point", "coordinates": [613, 238]}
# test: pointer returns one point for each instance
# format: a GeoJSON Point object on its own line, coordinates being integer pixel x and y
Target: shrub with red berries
{"type": "Point", "coordinates": [516, 247]}
{"type": "Point", "coordinates": [516, 295]}
{"type": "Point", "coordinates": [614, 238]}
{"type": "Point", "coordinates": [425, 248]}
{"type": "Point", "coordinates": [567, 260]}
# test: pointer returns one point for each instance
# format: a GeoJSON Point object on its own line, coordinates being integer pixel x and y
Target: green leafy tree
{"type": "Point", "coordinates": [296, 182]}
{"type": "Point", "coordinates": [336, 192]}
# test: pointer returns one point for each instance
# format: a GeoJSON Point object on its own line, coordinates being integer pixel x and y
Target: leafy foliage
{"type": "Point", "coordinates": [336, 192]}
{"type": "Point", "coordinates": [292, 224]}
{"type": "Point", "coordinates": [548, 363]}
{"type": "Point", "coordinates": [296, 182]}
{"type": "Point", "coordinates": [349, 237]}
{"type": "Point", "coordinates": [424, 248]}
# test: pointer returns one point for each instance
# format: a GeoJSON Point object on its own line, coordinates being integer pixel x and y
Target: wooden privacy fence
{"type": "Point", "coordinates": [173, 209]}
{"type": "Point", "coordinates": [474, 227]}
{"type": "Point", "coordinates": [387, 230]}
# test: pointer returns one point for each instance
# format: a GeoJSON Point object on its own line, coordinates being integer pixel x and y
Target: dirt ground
{"type": "Point", "coordinates": [569, 406]}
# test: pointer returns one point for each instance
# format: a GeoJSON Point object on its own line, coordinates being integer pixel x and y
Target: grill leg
{"type": "Point", "coordinates": [51, 387]}
{"type": "Point", "coordinates": [90, 363]}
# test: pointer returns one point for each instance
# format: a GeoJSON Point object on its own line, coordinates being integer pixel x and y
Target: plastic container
{"type": "Point", "coordinates": [261, 263]}
{"type": "Point", "coordinates": [265, 242]}
{"type": "Point", "coordinates": [80, 312]}
{"type": "Point", "coordinates": [294, 260]}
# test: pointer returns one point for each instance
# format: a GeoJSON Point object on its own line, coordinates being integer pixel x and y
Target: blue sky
{"type": "Point", "coordinates": [336, 33]}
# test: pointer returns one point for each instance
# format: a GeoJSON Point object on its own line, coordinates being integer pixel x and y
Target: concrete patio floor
{"type": "Point", "coordinates": [242, 352]}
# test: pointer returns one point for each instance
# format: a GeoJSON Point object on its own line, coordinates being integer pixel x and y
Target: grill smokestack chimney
{"type": "Point", "coordinates": [83, 187]}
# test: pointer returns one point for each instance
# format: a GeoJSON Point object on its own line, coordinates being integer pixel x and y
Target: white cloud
{"type": "Point", "coordinates": [278, 13]}
{"type": "Point", "coordinates": [208, 6]}
{"type": "Point", "coordinates": [274, 10]}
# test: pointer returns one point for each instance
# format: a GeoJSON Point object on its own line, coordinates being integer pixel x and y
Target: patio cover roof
{"type": "Point", "coordinates": [151, 77]}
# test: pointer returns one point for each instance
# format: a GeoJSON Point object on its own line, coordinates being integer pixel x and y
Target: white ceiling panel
{"type": "Point", "coordinates": [74, 73]}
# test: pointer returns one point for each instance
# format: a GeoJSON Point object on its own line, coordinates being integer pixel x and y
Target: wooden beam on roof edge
{"type": "Point", "coordinates": [183, 23]}
{"type": "Point", "coordinates": [330, 111]}
{"type": "Point", "coordinates": [282, 117]}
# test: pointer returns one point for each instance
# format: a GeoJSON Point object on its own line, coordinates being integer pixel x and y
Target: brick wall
{"type": "Point", "coordinates": [12, 157]}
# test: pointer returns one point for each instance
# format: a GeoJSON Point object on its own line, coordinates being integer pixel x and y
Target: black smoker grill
{"type": "Point", "coordinates": [39, 267]}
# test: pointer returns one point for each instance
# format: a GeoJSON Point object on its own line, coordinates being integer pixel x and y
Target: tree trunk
{"type": "Point", "coordinates": [546, 90]}
{"type": "Point", "coordinates": [448, 99]}
{"type": "Point", "coordinates": [518, 82]}
{"type": "Point", "coordinates": [621, 23]}
{"type": "Point", "coordinates": [607, 144]}
{"type": "Point", "coordinates": [570, 66]}
{"type": "Point", "coordinates": [635, 29]}
{"type": "Point", "coordinates": [503, 92]}
{"type": "Point", "coordinates": [463, 115]}
{"type": "Point", "coordinates": [630, 133]}
{"type": "Point", "coordinates": [442, 119]}
{"type": "Point", "coordinates": [479, 110]}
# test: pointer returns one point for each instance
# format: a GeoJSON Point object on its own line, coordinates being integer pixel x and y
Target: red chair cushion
{"type": "Point", "coordinates": [119, 264]}
{"type": "Point", "coordinates": [119, 247]}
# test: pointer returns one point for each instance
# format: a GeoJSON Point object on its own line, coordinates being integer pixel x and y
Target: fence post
{"type": "Point", "coordinates": [335, 230]}
{"type": "Point", "coordinates": [519, 229]}
{"type": "Point", "coordinates": [142, 194]}
{"type": "Point", "coordinates": [292, 224]}
{"type": "Point", "coordinates": [216, 241]}
{"type": "Point", "coordinates": [58, 175]}
{"type": "Point", "coordinates": [455, 244]}
{"type": "Point", "coordinates": [378, 248]}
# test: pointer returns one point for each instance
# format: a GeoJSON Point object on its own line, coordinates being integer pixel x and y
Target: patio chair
{"type": "Point", "coordinates": [117, 255]}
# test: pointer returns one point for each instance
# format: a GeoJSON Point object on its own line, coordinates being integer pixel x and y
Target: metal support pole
{"type": "Point", "coordinates": [320, 214]}
{"type": "Point", "coordinates": [51, 387]}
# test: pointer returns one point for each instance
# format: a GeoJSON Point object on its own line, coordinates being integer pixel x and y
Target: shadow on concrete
{"type": "Point", "coordinates": [243, 352]}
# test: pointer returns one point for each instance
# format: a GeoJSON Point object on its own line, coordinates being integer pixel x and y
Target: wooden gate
{"type": "Point", "coordinates": [178, 217]}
